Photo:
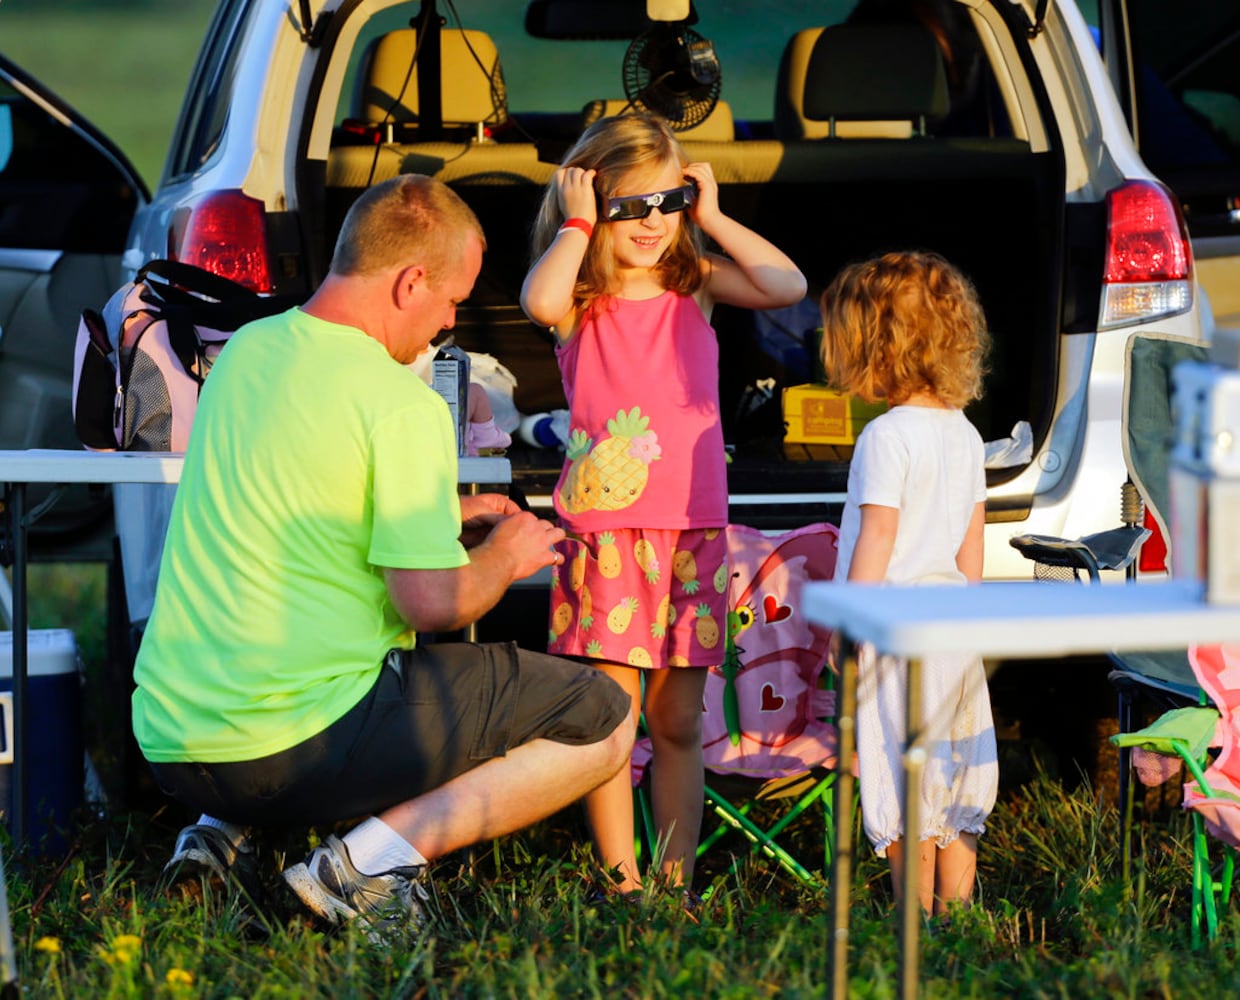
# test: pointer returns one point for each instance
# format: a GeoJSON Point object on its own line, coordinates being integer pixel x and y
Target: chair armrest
{"type": "Point", "coordinates": [1071, 553]}
{"type": "Point", "coordinates": [1112, 549]}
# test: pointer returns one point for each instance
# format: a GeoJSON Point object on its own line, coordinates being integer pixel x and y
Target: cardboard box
{"type": "Point", "coordinates": [55, 772]}
{"type": "Point", "coordinates": [450, 378]}
{"type": "Point", "coordinates": [814, 414]}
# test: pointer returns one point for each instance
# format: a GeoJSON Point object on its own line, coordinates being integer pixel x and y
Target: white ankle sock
{"type": "Point", "coordinates": [375, 848]}
{"type": "Point", "coordinates": [237, 834]}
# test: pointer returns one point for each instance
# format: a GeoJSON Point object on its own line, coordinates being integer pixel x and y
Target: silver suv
{"type": "Point", "coordinates": [987, 130]}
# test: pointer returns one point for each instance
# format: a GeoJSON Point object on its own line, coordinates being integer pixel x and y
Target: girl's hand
{"type": "Point", "coordinates": [575, 187]}
{"type": "Point", "coordinates": [705, 208]}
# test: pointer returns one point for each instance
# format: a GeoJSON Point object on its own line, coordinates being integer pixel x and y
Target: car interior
{"type": "Point", "coordinates": [883, 134]}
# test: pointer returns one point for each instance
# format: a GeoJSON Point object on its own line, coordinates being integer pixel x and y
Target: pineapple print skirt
{"type": "Point", "coordinates": [647, 597]}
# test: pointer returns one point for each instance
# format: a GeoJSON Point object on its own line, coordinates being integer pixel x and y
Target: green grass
{"type": "Point", "coordinates": [1053, 919]}
{"type": "Point", "coordinates": [512, 920]}
{"type": "Point", "coordinates": [123, 66]}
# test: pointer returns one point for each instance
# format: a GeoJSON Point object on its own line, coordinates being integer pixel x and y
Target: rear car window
{"type": "Point", "coordinates": [210, 92]}
{"type": "Point", "coordinates": [560, 76]}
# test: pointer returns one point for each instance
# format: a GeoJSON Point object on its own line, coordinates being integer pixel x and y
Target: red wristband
{"type": "Point", "coordinates": [585, 225]}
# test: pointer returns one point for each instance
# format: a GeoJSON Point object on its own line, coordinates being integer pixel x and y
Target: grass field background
{"type": "Point", "coordinates": [122, 65]}
{"type": "Point", "coordinates": [513, 918]}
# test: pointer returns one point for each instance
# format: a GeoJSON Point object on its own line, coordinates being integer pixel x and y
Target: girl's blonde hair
{"type": "Point", "coordinates": [904, 323]}
{"type": "Point", "coordinates": [616, 149]}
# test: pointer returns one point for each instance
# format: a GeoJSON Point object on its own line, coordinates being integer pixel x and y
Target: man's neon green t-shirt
{"type": "Point", "coordinates": [315, 460]}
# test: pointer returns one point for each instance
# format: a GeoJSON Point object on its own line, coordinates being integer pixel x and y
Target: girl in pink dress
{"type": "Point", "coordinates": [622, 280]}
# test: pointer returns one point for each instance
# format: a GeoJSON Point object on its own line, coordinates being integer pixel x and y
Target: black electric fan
{"type": "Point", "coordinates": [672, 71]}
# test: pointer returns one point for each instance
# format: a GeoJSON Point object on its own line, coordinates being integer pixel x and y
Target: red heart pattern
{"type": "Point", "coordinates": [774, 611]}
{"type": "Point", "coordinates": [771, 702]}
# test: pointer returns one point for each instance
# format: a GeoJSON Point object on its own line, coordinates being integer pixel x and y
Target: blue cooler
{"type": "Point", "coordinates": [55, 774]}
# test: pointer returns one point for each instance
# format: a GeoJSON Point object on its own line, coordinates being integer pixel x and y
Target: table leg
{"type": "Point", "coordinates": [841, 867]}
{"type": "Point", "coordinates": [470, 632]}
{"type": "Point", "coordinates": [17, 518]}
{"type": "Point", "coordinates": [914, 767]}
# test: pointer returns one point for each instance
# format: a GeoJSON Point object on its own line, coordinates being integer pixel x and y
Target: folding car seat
{"type": "Point", "coordinates": [766, 730]}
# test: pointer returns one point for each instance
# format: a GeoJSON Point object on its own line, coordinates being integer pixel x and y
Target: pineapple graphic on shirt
{"type": "Point", "coordinates": [582, 488]}
{"type": "Point", "coordinates": [613, 473]}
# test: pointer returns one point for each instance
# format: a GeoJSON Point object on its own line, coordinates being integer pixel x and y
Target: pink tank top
{"type": "Point", "coordinates": [645, 444]}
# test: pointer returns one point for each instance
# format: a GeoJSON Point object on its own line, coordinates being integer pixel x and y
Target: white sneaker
{"type": "Point", "coordinates": [334, 891]}
{"type": "Point", "coordinates": [204, 856]}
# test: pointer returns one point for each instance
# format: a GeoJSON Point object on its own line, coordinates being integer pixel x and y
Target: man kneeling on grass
{"type": "Point", "coordinates": [316, 530]}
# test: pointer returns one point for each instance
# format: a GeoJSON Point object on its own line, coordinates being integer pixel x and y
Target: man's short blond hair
{"type": "Point", "coordinates": [410, 219]}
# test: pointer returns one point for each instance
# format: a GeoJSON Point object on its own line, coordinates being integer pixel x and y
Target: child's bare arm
{"type": "Point", "coordinates": [755, 274]}
{"type": "Point", "coordinates": [547, 293]}
{"type": "Point", "coordinates": [875, 542]}
{"type": "Point", "coordinates": [969, 556]}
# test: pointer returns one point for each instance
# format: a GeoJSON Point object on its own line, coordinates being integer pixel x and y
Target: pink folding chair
{"type": "Point", "coordinates": [767, 734]}
{"type": "Point", "coordinates": [1217, 800]}
{"type": "Point", "coordinates": [1186, 735]}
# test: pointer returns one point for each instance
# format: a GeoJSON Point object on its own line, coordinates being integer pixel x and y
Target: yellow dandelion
{"type": "Point", "coordinates": [179, 977]}
{"type": "Point", "coordinates": [51, 945]}
{"type": "Point", "coordinates": [126, 947]}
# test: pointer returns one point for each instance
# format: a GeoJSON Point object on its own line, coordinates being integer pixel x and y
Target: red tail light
{"type": "Point", "coordinates": [1149, 264]}
{"type": "Point", "coordinates": [1153, 555]}
{"type": "Point", "coordinates": [224, 233]}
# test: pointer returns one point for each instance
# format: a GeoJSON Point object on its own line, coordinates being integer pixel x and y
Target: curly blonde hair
{"type": "Point", "coordinates": [901, 324]}
{"type": "Point", "coordinates": [621, 150]}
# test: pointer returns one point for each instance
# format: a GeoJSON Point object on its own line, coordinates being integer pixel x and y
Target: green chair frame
{"type": "Point", "coordinates": [808, 789]}
{"type": "Point", "coordinates": [1185, 733]}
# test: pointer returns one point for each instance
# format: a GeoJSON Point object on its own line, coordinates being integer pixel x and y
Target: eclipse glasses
{"type": "Point", "coordinates": [638, 206]}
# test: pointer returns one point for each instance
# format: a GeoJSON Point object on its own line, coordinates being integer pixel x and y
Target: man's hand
{"type": "Point", "coordinates": [512, 545]}
{"type": "Point", "coordinates": [480, 513]}
{"type": "Point", "coordinates": [525, 541]}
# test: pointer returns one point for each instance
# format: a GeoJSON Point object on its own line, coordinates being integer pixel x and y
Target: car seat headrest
{"type": "Point", "coordinates": [875, 72]}
{"type": "Point", "coordinates": [473, 81]}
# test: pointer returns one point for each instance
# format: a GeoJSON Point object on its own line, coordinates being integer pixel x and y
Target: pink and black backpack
{"type": "Point", "coordinates": [139, 363]}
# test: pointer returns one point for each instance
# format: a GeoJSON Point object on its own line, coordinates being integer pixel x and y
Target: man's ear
{"type": "Point", "coordinates": [408, 283]}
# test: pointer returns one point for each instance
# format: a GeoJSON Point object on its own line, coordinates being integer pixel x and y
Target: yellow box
{"type": "Point", "coordinates": [814, 414]}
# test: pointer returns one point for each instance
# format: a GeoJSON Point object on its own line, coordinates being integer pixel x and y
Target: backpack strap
{"type": "Point", "coordinates": [184, 340]}
{"type": "Point", "coordinates": [206, 300]}
{"type": "Point", "coordinates": [198, 282]}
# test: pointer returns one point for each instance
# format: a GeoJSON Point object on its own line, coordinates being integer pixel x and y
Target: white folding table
{"type": "Point", "coordinates": [19, 469]}
{"type": "Point", "coordinates": [1001, 620]}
